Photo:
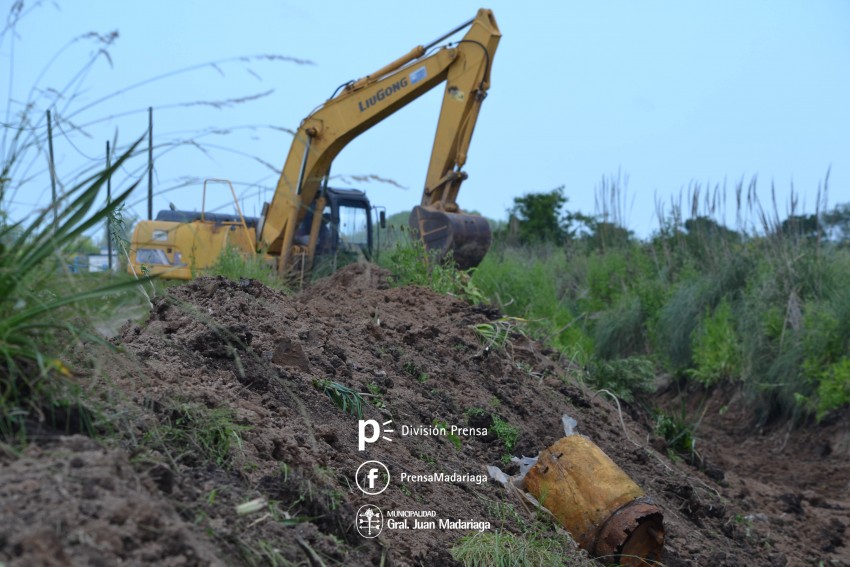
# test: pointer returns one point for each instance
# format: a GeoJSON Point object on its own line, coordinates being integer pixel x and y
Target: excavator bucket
{"type": "Point", "coordinates": [466, 237]}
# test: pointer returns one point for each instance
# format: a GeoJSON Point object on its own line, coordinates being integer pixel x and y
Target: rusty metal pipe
{"type": "Point", "coordinates": [596, 501]}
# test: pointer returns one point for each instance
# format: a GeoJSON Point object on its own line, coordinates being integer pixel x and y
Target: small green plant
{"type": "Point", "coordinates": [282, 516]}
{"type": "Point", "coordinates": [427, 459]}
{"type": "Point", "coordinates": [496, 334]}
{"type": "Point", "coordinates": [343, 397]}
{"type": "Point", "coordinates": [376, 395]}
{"type": "Point", "coordinates": [678, 433]}
{"type": "Point", "coordinates": [411, 368]}
{"type": "Point", "coordinates": [116, 226]}
{"type": "Point", "coordinates": [198, 434]}
{"type": "Point", "coordinates": [506, 432]}
{"type": "Point", "coordinates": [285, 471]}
{"type": "Point", "coordinates": [211, 497]}
{"type": "Point", "coordinates": [746, 524]}
{"type": "Point", "coordinates": [475, 412]}
{"type": "Point", "coordinates": [444, 427]}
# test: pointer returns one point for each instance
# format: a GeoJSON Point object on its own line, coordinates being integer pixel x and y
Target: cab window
{"type": "Point", "coordinates": [353, 227]}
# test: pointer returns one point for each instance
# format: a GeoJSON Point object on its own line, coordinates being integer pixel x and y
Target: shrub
{"type": "Point", "coordinates": [619, 332]}
{"type": "Point", "coordinates": [606, 279]}
{"type": "Point", "coordinates": [625, 378]}
{"type": "Point", "coordinates": [833, 387]}
{"type": "Point", "coordinates": [716, 348]}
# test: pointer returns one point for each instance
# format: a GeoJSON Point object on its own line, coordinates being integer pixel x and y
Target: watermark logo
{"type": "Point", "coordinates": [370, 521]}
{"type": "Point", "coordinates": [372, 477]}
{"type": "Point", "coordinates": [375, 432]}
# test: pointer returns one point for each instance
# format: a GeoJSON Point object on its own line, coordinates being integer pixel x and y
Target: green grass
{"type": "Point", "coordinates": [538, 283]}
{"type": "Point", "coordinates": [534, 541]}
{"type": "Point", "coordinates": [195, 435]}
{"type": "Point", "coordinates": [43, 307]}
{"type": "Point", "coordinates": [444, 428]}
{"type": "Point", "coordinates": [507, 433]}
{"type": "Point", "coordinates": [501, 548]}
{"type": "Point", "coordinates": [343, 397]}
{"type": "Point", "coordinates": [496, 334]}
{"type": "Point", "coordinates": [236, 265]}
{"type": "Point", "coordinates": [411, 264]}
{"type": "Point", "coordinates": [764, 305]}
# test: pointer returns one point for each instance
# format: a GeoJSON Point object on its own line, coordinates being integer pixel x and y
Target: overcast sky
{"type": "Point", "coordinates": [660, 95]}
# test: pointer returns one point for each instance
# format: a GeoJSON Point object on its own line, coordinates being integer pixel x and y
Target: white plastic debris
{"type": "Point", "coordinates": [569, 425]}
{"type": "Point", "coordinates": [525, 463]}
{"type": "Point", "coordinates": [251, 506]}
{"type": "Point", "coordinates": [498, 475]}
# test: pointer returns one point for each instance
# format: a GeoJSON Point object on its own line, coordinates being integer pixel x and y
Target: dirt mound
{"type": "Point", "coordinates": [235, 392]}
{"type": "Point", "coordinates": [72, 502]}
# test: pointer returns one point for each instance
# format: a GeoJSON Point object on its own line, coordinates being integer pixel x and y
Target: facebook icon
{"type": "Point", "coordinates": [372, 477]}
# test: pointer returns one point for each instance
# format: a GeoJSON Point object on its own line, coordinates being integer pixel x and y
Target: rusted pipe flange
{"type": "Point", "coordinates": [634, 533]}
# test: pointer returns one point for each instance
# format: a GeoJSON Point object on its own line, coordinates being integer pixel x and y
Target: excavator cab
{"type": "Point", "coordinates": [348, 220]}
{"type": "Point", "coordinates": [346, 224]}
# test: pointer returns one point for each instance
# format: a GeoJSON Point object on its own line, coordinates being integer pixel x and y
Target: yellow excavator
{"type": "Point", "coordinates": [307, 218]}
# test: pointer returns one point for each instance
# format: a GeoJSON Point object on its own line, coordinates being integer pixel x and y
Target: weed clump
{"type": "Point", "coordinates": [625, 378]}
{"type": "Point", "coordinates": [194, 434]}
{"type": "Point", "coordinates": [236, 265]}
{"type": "Point", "coordinates": [411, 264]}
{"type": "Point", "coordinates": [505, 549]}
{"type": "Point", "coordinates": [343, 397]}
{"type": "Point", "coordinates": [39, 305]}
{"type": "Point", "coordinates": [507, 433]}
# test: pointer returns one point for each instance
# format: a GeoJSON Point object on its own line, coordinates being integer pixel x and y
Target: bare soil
{"type": "Point", "coordinates": [152, 491]}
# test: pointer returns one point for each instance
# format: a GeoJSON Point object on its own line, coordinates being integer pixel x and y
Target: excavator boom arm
{"type": "Point", "coordinates": [465, 67]}
{"type": "Point", "coordinates": [467, 83]}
